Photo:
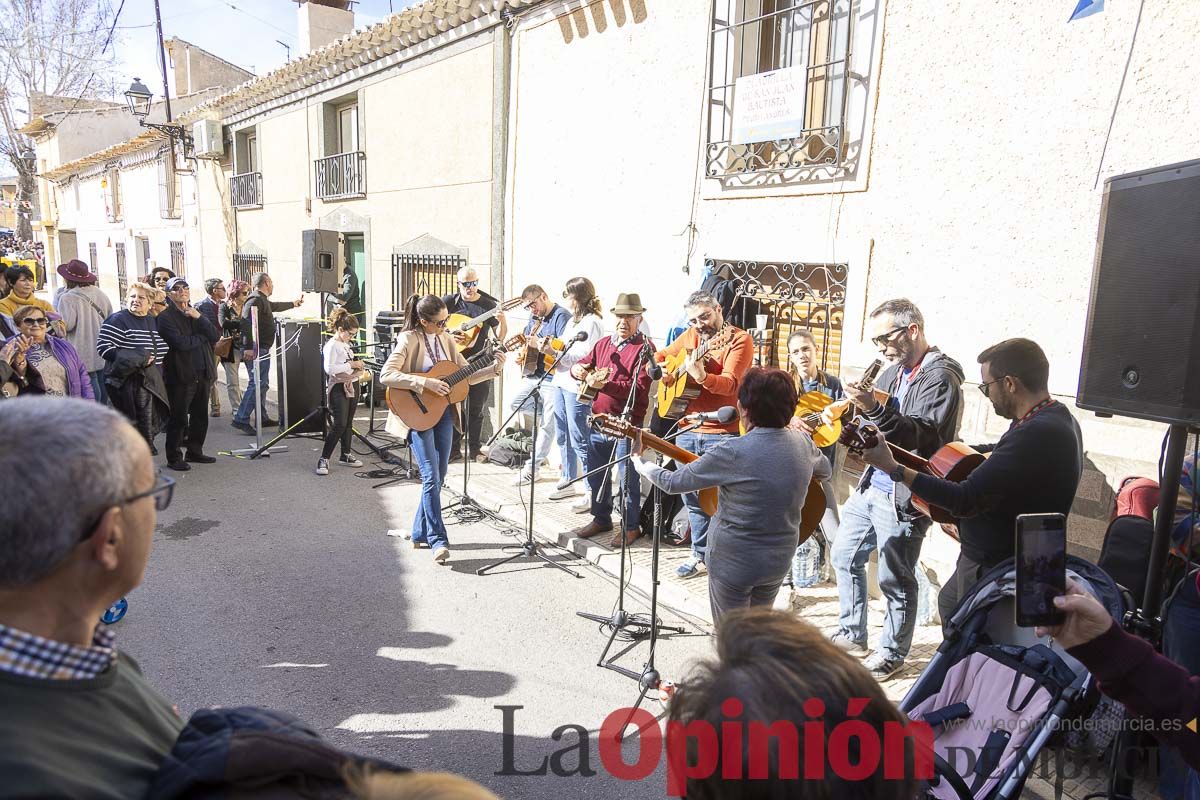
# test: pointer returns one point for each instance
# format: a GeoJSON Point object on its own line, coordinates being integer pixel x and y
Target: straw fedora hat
{"type": "Point", "coordinates": [628, 304]}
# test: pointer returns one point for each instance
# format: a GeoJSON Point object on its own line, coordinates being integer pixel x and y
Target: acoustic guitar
{"type": "Point", "coordinates": [673, 400]}
{"type": "Point", "coordinates": [588, 391]}
{"type": "Point", "coordinates": [814, 502]}
{"type": "Point", "coordinates": [530, 357]}
{"type": "Point", "coordinates": [952, 462]}
{"type": "Point", "coordinates": [422, 410]}
{"type": "Point", "coordinates": [465, 330]}
{"type": "Point", "coordinates": [811, 404]}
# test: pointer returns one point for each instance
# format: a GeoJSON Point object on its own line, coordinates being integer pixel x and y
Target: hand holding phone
{"type": "Point", "coordinates": [1041, 568]}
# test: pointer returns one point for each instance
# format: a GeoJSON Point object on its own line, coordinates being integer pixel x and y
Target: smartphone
{"type": "Point", "coordinates": [1041, 568]}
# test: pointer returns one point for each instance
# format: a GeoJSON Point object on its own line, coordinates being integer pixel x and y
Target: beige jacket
{"type": "Point", "coordinates": [404, 366]}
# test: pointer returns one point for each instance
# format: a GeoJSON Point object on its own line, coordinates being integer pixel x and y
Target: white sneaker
{"type": "Point", "coordinates": [583, 506]}
{"type": "Point", "coordinates": [524, 478]}
{"type": "Point", "coordinates": [783, 600]}
{"type": "Point", "coordinates": [564, 492]}
{"type": "Point", "coordinates": [349, 461]}
{"type": "Point", "coordinates": [322, 466]}
{"type": "Point", "coordinates": [441, 555]}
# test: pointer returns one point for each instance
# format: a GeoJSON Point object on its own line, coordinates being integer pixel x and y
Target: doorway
{"type": "Point", "coordinates": [356, 265]}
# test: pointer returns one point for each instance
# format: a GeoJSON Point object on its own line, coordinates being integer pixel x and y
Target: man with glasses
{"type": "Point", "coordinates": [210, 307]}
{"type": "Point", "coordinates": [189, 372]}
{"type": "Point", "coordinates": [718, 374]}
{"type": "Point", "coordinates": [78, 717]}
{"type": "Point", "coordinates": [1034, 469]}
{"type": "Point", "coordinates": [922, 414]}
{"type": "Point", "coordinates": [470, 301]}
{"type": "Point", "coordinates": [533, 390]}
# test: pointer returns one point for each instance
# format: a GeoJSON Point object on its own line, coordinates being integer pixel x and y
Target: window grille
{"type": "Point", "coordinates": [178, 261]}
{"type": "Point", "coordinates": [246, 264]}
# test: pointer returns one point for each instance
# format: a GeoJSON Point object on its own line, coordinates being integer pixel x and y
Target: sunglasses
{"type": "Point", "coordinates": [983, 387]}
{"type": "Point", "coordinates": [441, 323]}
{"type": "Point", "coordinates": [35, 321]}
{"type": "Point", "coordinates": [468, 284]}
{"type": "Point", "coordinates": [886, 338]}
{"type": "Point", "coordinates": [162, 492]}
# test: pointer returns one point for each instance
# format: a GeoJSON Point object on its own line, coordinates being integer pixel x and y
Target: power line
{"type": "Point", "coordinates": [260, 19]}
{"type": "Point", "coordinates": [107, 41]}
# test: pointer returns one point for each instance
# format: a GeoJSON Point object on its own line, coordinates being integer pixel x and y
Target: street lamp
{"type": "Point", "coordinates": [138, 97]}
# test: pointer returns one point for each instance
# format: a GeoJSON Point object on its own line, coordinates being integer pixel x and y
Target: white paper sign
{"type": "Point", "coordinates": [768, 105]}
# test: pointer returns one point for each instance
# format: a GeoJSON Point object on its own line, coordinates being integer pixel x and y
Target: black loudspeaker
{"type": "Point", "coordinates": [1141, 347]}
{"type": "Point", "coordinates": [321, 261]}
{"type": "Point", "coordinates": [302, 374]}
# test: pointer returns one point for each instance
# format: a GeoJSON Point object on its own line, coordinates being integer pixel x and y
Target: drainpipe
{"type": "Point", "coordinates": [501, 92]}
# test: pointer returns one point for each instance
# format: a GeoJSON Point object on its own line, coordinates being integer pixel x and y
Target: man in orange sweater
{"type": "Point", "coordinates": [717, 374]}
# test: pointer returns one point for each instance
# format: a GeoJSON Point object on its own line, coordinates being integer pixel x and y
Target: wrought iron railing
{"type": "Point", "coordinates": [421, 273]}
{"type": "Point", "coordinates": [341, 176]}
{"type": "Point", "coordinates": [753, 38]}
{"type": "Point", "coordinates": [246, 264]}
{"type": "Point", "coordinates": [792, 295]}
{"type": "Point", "coordinates": [246, 190]}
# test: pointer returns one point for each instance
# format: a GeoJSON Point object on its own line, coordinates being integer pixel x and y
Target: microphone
{"type": "Point", "coordinates": [723, 415]}
{"type": "Point", "coordinates": [653, 368]}
{"type": "Point", "coordinates": [580, 337]}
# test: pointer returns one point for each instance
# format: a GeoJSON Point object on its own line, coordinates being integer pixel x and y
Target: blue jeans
{"type": "Point", "coordinates": [540, 393]}
{"type": "Point", "coordinates": [1181, 644]}
{"type": "Point", "coordinates": [431, 451]}
{"type": "Point", "coordinates": [98, 387]}
{"type": "Point", "coordinates": [247, 407]}
{"type": "Point", "coordinates": [601, 451]}
{"type": "Point", "coordinates": [869, 521]}
{"type": "Point", "coordinates": [570, 423]}
{"type": "Point", "coordinates": [698, 443]}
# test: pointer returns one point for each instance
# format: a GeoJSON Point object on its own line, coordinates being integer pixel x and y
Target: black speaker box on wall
{"type": "Point", "coordinates": [1141, 347]}
{"type": "Point", "coordinates": [321, 261]}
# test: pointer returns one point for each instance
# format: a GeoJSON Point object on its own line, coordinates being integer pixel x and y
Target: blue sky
{"type": "Point", "coordinates": [243, 32]}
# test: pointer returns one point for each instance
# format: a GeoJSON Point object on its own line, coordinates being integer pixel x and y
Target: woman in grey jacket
{"type": "Point", "coordinates": [762, 479]}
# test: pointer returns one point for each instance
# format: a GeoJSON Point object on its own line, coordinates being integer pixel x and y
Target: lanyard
{"type": "Point", "coordinates": [1033, 412]}
{"type": "Point", "coordinates": [435, 352]}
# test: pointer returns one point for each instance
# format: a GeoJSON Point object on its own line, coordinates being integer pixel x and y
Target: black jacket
{"type": "Point", "coordinates": [231, 753]}
{"type": "Point", "coordinates": [928, 418]}
{"type": "Point", "coordinates": [190, 359]}
{"type": "Point", "coordinates": [266, 320]}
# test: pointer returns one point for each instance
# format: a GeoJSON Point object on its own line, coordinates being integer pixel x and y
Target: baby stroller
{"type": "Point", "coordinates": [994, 693]}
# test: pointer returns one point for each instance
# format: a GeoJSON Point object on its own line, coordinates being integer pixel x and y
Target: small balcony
{"type": "Point", "coordinates": [342, 176]}
{"type": "Point", "coordinates": [246, 190]}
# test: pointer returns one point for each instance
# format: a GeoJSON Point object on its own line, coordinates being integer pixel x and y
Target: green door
{"type": "Point", "coordinates": [356, 262]}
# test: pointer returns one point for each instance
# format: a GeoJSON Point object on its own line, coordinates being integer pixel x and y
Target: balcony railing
{"type": "Point", "coordinates": [343, 175]}
{"type": "Point", "coordinates": [246, 190]}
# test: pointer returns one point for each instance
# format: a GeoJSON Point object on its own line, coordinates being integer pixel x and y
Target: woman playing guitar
{"type": "Point", "coordinates": [423, 344]}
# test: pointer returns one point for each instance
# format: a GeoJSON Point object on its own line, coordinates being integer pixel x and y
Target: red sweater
{"type": "Point", "coordinates": [1150, 686]}
{"type": "Point", "coordinates": [725, 368]}
{"type": "Point", "coordinates": [613, 395]}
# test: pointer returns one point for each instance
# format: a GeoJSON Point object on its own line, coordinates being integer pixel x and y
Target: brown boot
{"type": "Point", "coordinates": [631, 536]}
{"type": "Point", "coordinates": [590, 530]}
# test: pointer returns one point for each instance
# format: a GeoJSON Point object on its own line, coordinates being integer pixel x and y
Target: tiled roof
{"type": "Point", "coordinates": [139, 142]}
{"type": "Point", "coordinates": [399, 31]}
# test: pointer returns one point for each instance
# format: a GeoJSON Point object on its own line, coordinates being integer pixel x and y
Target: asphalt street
{"type": "Point", "coordinates": [271, 586]}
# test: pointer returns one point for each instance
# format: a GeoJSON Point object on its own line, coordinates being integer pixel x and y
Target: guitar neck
{"type": "Point", "coordinates": [669, 449]}
{"type": "Point", "coordinates": [476, 363]}
{"type": "Point", "coordinates": [908, 459]}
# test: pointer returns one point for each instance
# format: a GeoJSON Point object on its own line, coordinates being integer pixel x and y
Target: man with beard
{"type": "Point", "coordinates": [922, 414]}
{"type": "Point", "coordinates": [1033, 469]}
{"type": "Point", "coordinates": [471, 302]}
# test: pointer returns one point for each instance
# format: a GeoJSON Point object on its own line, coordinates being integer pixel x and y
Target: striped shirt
{"type": "Point", "coordinates": [126, 331]}
{"type": "Point", "coordinates": [33, 656]}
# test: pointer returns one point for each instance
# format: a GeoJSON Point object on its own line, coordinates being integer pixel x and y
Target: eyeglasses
{"type": "Point", "coordinates": [886, 339]}
{"type": "Point", "coordinates": [468, 284]}
{"type": "Point", "coordinates": [441, 323]}
{"type": "Point", "coordinates": [983, 387]}
{"type": "Point", "coordinates": [162, 492]}
{"type": "Point", "coordinates": [701, 319]}
{"type": "Point", "coordinates": [40, 322]}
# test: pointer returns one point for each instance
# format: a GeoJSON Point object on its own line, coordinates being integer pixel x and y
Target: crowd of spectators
{"type": "Point", "coordinates": [155, 360]}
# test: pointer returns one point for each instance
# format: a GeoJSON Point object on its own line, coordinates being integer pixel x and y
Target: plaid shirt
{"type": "Point", "coordinates": [33, 656]}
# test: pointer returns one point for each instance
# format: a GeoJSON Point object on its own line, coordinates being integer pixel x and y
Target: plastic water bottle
{"type": "Point", "coordinates": [806, 564]}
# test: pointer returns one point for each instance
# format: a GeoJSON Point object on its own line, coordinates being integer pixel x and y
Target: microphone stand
{"type": "Point", "coordinates": [465, 500]}
{"type": "Point", "coordinates": [529, 548]}
{"type": "Point", "coordinates": [648, 678]}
